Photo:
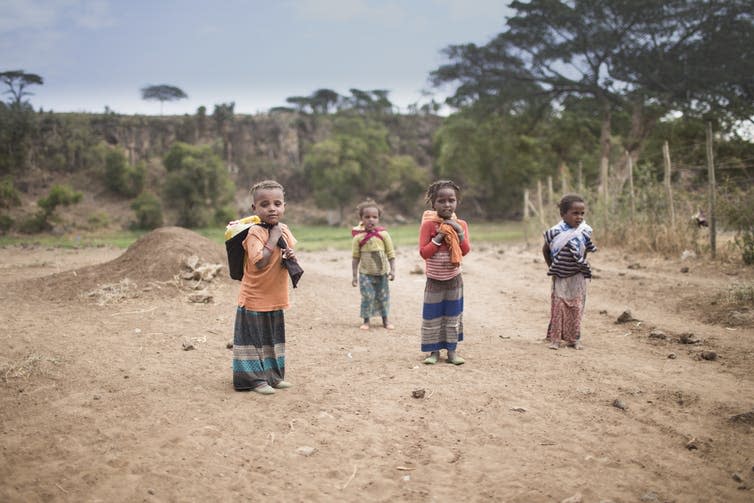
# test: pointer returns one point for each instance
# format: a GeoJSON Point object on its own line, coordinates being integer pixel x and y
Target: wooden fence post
{"type": "Point", "coordinates": [526, 204]}
{"type": "Point", "coordinates": [631, 184]}
{"type": "Point", "coordinates": [581, 178]}
{"type": "Point", "coordinates": [550, 192]}
{"type": "Point", "coordinates": [712, 192]}
{"type": "Point", "coordinates": [540, 208]}
{"type": "Point", "coordinates": [668, 187]}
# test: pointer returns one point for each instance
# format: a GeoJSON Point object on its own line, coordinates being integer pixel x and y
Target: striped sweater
{"type": "Point", "coordinates": [437, 258]}
{"type": "Point", "coordinates": [570, 260]}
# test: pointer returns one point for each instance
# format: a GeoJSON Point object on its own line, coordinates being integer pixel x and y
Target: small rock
{"type": "Point", "coordinates": [625, 317]}
{"type": "Point", "coordinates": [709, 355]}
{"type": "Point", "coordinates": [229, 345]}
{"type": "Point", "coordinates": [306, 451]}
{"type": "Point", "coordinates": [688, 338]}
{"type": "Point", "coordinates": [684, 269]}
{"type": "Point", "coordinates": [187, 346]}
{"type": "Point", "coordinates": [200, 298]}
{"type": "Point", "coordinates": [150, 491]}
{"type": "Point", "coordinates": [672, 356]}
{"type": "Point", "coordinates": [649, 496]}
{"type": "Point", "coordinates": [619, 404]}
{"type": "Point", "coordinates": [687, 254]}
{"type": "Point", "coordinates": [137, 330]}
{"type": "Point", "coordinates": [418, 393]}
{"type": "Point", "coordinates": [576, 498]}
{"type": "Point", "coordinates": [518, 409]}
{"type": "Point", "coordinates": [692, 444]}
{"type": "Point", "coordinates": [745, 418]}
{"type": "Point", "coordinates": [737, 477]}
{"type": "Point", "coordinates": [635, 265]}
{"type": "Point", "coordinates": [657, 334]}
{"type": "Point", "coordinates": [603, 311]}
{"type": "Point", "coordinates": [96, 397]}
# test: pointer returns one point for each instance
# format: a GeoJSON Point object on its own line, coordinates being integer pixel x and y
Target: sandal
{"type": "Point", "coordinates": [456, 360]}
{"type": "Point", "coordinates": [430, 360]}
{"type": "Point", "coordinates": [264, 389]}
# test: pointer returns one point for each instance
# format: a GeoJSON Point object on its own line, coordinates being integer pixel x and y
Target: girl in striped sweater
{"type": "Point", "coordinates": [565, 249]}
{"type": "Point", "coordinates": [443, 241]}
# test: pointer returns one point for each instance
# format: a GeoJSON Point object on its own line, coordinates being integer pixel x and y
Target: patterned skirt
{"type": "Point", "coordinates": [567, 308]}
{"type": "Point", "coordinates": [375, 295]}
{"type": "Point", "coordinates": [442, 314]}
{"type": "Point", "coordinates": [258, 348]}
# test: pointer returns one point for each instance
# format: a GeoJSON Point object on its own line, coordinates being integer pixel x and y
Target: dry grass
{"type": "Point", "coordinates": [32, 364]}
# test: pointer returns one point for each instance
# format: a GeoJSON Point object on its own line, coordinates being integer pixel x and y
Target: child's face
{"type": "Point", "coordinates": [445, 202]}
{"type": "Point", "coordinates": [575, 214]}
{"type": "Point", "coordinates": [269, 205]}
{"type": "Point", "coordinates": [370, 217]}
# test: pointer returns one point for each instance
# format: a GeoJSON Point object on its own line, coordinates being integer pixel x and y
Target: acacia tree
{"type": "Point", "coordinates": [162, 93]}
{"type": "Point", "coordinates": [17, 82]}
{"type": "Point", "coordinates": [639, 57]}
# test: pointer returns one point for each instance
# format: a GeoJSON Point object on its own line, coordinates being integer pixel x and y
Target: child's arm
{"type": "Point", "coordinates": [464, 238]}
{"type": "Point", "coordinates": [546, 254]}
{"type": "Point", "coordinates": [391, 274]}
{"type": "Point", "coordinates": [355, 271]}
{"type": "Point", "coordinates": [269, 247]}
{"type": "Point", "coordinates": [428, 244]}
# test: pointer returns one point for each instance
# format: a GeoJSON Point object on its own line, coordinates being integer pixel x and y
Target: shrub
{"type": "Point", "coordinates": [737, 213]}
{"type": "Point", "coordinates": [148, 210]}
{"type": "Point", "coordinates": [8, 194]}
{"type": "Point", "coordinates": [6, 222]}
{"type": "Point", "coordinates": [120, 177]}
{"type": "Point", "coordinates": [58, 195]}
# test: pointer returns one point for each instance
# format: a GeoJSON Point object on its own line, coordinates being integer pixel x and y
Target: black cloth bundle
{"type": "Point", "coordinates": [237, 254]}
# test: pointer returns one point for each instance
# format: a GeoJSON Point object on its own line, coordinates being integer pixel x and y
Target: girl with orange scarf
{"type": "Point", "coordinates": [443, 241]}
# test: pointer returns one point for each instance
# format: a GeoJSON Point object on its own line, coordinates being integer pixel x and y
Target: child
{"type": "Point", "coordinates": [374, 261]}
{"type": "Point", "coordinates": [443, 240]}
{"type": "Point", "coordinates": [565, 249]}
{"type": "Point", "coordinates": [259, 334]}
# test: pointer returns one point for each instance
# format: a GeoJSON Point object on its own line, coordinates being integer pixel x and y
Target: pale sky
{"type": "Point", "coordinates": [256, 53]}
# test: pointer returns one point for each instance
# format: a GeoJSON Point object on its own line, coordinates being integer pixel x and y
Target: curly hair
{"type": "Point", "coordinates": [368, 203]}
{"type": "Point", "coordinates": [435, 187]}
{"type": "Point", "coordinates": [567, 201]}
{"type": "Point", "coordinates": [265, 185]}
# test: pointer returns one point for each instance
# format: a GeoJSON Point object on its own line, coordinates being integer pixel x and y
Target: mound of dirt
{"type": "Point", "coordinates": [157, 257]}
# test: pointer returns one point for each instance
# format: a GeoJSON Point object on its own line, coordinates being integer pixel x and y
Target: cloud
{"type": "Point", "coordinates": [43, 15]}
{"type": "Point", "coordinates": [349, 10]}
{"type": "Point", "coordinates": [464, 9]}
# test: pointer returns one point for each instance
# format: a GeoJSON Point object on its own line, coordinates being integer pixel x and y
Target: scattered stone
{"type": "Point", "coordinates": [603, 311]}
{"type": "Point", "coordinates": [518, 409]}
{"type": "Point", "coordinates": [657, 334]}
{"type": "Point", "coordinates": [306, 451]}
{"type": "Point", "coordinates": [625, 317]}
{"type": "Point", "coordinates": [672, 356]}
{"type": "Point", "coordinates": [229, 345]}
{"type": "Point", "coordinates": [418, 393]}
{"type": "Point", "coordinates": [536, 261]}
{"type": "Point", "coordinates": [576, 498]}
{"type": "Point", "coordinates": [187, 346]}
{"type": "Point", "coordinates": [684, 269]}
{"type": "Point", "coordinates": [200, 298]}
{"type": "Point", "coordinates": [692, 444]}
{"type": "Point", "coordinates": [688, 338]}
{"type": "Point", "coordinates": [635, 265]}
{"type": "Point", "coordinates": [619, 404]}
{"type": "Point", "coordinates": [687, 254]}
{"type": "Point", "coordinates": [737, 477]}
{"type": "Point", "coordinates": [649, 496]}
{"type": "Point", "coordinates": [150, 491]}
{"type": "Point", "coordinates": [709, 355]}
{"type": "Point", "coordinates": [745, 418]}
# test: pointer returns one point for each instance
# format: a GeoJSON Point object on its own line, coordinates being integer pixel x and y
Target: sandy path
{"type": "Point", "coordinates": [102, 403]}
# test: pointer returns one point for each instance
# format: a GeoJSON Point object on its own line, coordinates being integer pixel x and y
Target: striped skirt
{"type": "Point", "coordinates": [258, 348]}
{"type": "Point", "coordinates": [566, 308]}
{"type": "Point", "coordinates": [375, 295]}
{"type": "Point", "coordinates": [442, 314]}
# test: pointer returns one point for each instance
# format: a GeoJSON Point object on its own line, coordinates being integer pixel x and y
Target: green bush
{"type": "Point", "coordinates": [737, 213]}
{"type": "Point", "coordinates": [197, 185]}
{"type": "Point", "coordinates": [148, 210]}
{"type": "Point", "coordinates": [8, 194]}
{"type": "Point", "coordinates": [58, 195]}
{"type": "Point", "coordinates": [38, 222]}
{"type": "Point", "coordinates": [120, 177]}
{"type": "Point", "coordinates": [6, 223]}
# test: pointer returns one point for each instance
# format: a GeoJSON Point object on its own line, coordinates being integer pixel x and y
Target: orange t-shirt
{"type": "Point", "coordinates": [264, 289]}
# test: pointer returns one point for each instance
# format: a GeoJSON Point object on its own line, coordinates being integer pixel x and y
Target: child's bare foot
{"type": "Point", "coordinates": [554, 345]}
{"type": "Point", "coordinates": [389, 326]}
{"type": "Point", "coordinates": [364, 326]}
{"type": "Point", "coordinates": [577, 345]}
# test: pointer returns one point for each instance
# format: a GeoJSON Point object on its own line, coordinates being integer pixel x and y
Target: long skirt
{"type": "Point", "coordinates": [258, 348]}
{"type": "Point", "coordinates": [442, 314]}
{"type": "Point", "coordinates": [567, 308]}
{"type": "Point", "coordinates": [375, 295]}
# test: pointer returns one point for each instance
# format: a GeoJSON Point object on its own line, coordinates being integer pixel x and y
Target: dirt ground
{"type": "Point", "coordinates": [116, 386]}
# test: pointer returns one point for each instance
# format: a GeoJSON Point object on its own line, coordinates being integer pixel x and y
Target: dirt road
{"type": "Point", "coordinates": [102, 399]}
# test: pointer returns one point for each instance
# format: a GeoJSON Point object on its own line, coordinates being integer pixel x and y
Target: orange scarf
{"type": "Point", "coordinates": [451, 236]}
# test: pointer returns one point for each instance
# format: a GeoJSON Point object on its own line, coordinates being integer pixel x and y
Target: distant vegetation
{"type": "Point", "coordinates": [582, 94]}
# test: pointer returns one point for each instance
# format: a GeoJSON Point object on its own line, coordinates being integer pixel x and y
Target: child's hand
{"type": "Point", "coordinates": [455, 225]}
{"type": "Point", "coordinates": [289, 253]}
{"type": "Point", "coordinates": [391, 275]}
{"type": "Point", "coordinates": [354, 282]}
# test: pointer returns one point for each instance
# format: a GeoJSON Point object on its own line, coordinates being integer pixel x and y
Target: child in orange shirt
{"type": "Point", "coordinates": [259, 333]}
